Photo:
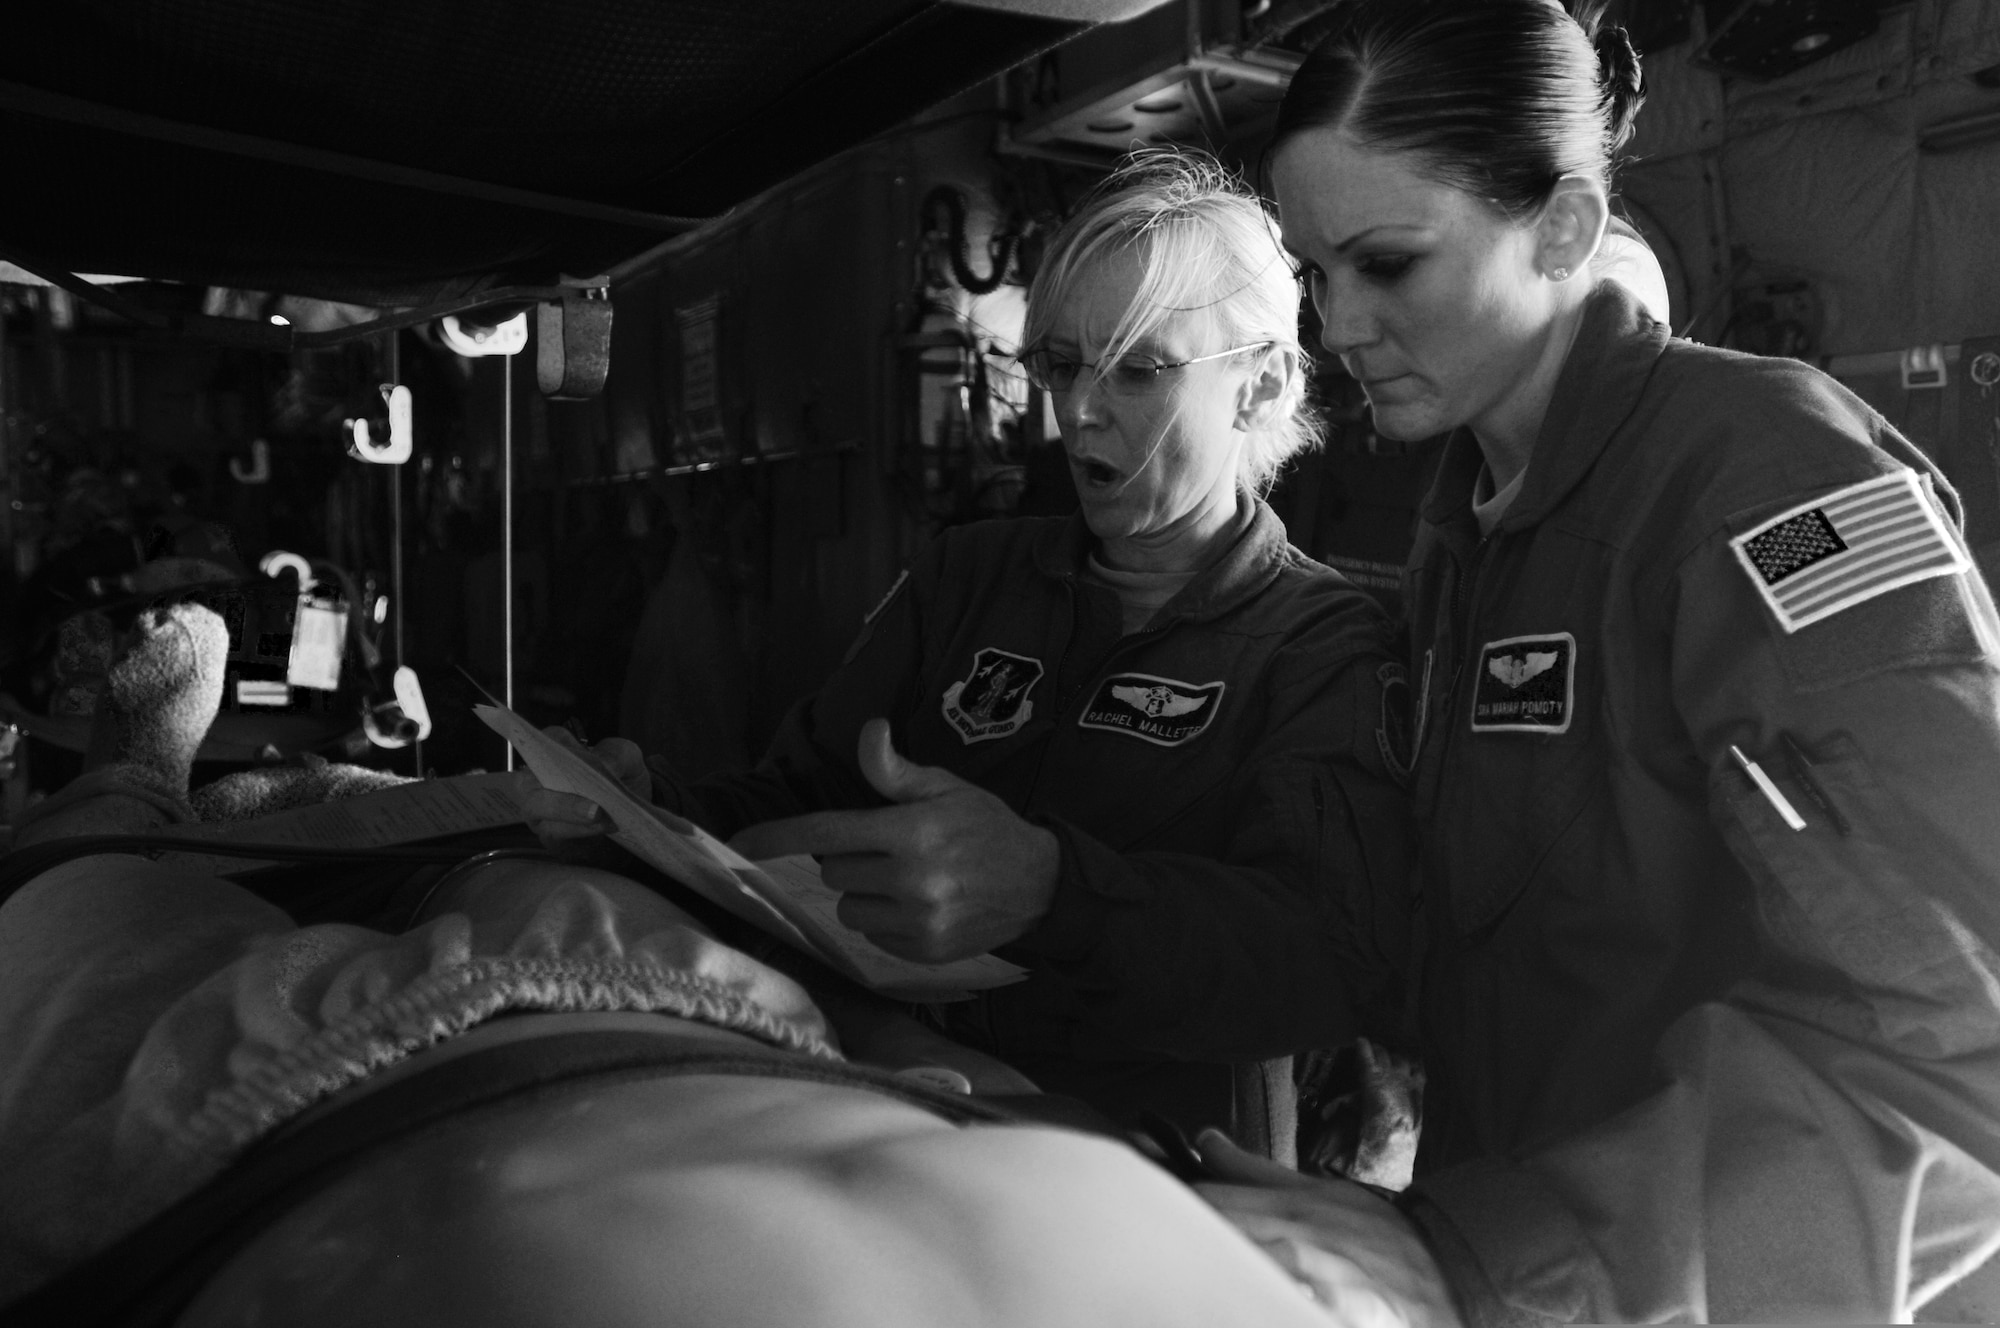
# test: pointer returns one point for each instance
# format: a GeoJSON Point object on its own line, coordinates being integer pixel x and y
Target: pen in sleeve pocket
{"type": "Point", "coordinates": [1768, 789]}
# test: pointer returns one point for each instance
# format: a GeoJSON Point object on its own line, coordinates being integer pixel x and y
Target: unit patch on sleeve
{"type": "Point", "coordinates": [992, 701]}
{"type": "Point", "coordinates": [1394, 737]}
{"type": "Point", "coordinates": [1526, 684]}
{"type": "Point", "coordinates": [1838, 551]}
{"type": "Point", "coordinates": [1162, 711]}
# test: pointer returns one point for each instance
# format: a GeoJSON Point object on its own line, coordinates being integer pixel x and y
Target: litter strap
{"type": "Point", "coordinates": [149, 1277]}
{"type": "Point", "coordinates": [24, 864]}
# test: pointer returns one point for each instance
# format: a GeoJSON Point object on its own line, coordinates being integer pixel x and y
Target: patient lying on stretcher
{"type": "Point", "coordinates": [163, 1034]}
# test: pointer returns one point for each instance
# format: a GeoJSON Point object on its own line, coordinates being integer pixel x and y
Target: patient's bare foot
{"type": "Point", "coordinates": [164, 691]}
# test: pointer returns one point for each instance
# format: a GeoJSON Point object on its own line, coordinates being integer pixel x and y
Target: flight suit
{"type": "Point", "coordinates": [1223, 784]}
{"type": "Point", "coordinates": [1686, 1060]}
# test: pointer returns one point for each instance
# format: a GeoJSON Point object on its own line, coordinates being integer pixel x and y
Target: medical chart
{"type": "Point", "coordinates": [784, 897]}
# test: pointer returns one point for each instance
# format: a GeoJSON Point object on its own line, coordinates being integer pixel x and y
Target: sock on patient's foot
{"type": "Point", "coordinates": [159, 698]}
{"type": "Point", "coordinates": [165, 689]}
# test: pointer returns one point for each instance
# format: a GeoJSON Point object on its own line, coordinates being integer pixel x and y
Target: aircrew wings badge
{"type": "Point", "coordinates": [1847, 547]}
{"type": "Point", "coordinates": [992, 701]}
{"type": "Point", "coordinates": [1526, 684]}
{"type": "Point", "coordinates": [1162, 711]}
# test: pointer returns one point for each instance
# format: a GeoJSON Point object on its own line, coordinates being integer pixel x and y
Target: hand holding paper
{"type": "Point", "coordinates": [559, 817]}
{"type": "Point", "coordinates": [784, 897]}
{"type": "Point", "coordinates": [948, 872]}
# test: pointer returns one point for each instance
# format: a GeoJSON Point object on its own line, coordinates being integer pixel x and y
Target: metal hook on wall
{"type": "Point", "coordinates": [260, 464]}
{"type": "Point", "coordinates": [401, 439]}
{"type": "Point", "coordinates": [277, 560]}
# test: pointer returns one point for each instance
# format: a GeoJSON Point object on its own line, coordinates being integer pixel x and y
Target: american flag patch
{"type": "Point", "coordinates": [1835, 552]}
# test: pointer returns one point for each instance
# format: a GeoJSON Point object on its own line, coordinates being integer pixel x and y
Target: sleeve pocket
{"type": "Point", "coordinates": [1900, 965]}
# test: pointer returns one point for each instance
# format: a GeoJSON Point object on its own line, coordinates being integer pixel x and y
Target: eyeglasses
{"type": "Point", "coordinates": [1129, 375]}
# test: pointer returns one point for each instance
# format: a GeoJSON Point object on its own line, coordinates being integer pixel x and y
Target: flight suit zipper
{"type": "Point", "coordinates": [1423, 955]}
{"type": "Point", "coordinates": [1319, 828]}
{"type": "Point", "coordinates": [1465, 581]}
{"type": "Point", "coordinates": [1028, 803]}
{"type": "Point", "coordinates": [1460, 624]}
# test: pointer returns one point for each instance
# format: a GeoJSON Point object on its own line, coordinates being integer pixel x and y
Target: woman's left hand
{"type": "Point", "coordinates": [1362, 1259]}
{"type": "Point", "coordinates": [948, 872]}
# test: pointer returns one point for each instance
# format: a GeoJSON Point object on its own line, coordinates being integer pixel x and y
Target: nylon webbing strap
{"type": "Point", "coordinates": [24, 864]}
{"type": "Point", "coordinates": [149, 1277]}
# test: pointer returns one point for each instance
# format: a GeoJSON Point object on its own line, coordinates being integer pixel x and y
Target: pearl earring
{"type": "Point", "coordinates": [1560, 274]}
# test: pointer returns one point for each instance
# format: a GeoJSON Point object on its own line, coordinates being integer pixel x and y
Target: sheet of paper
{"type": "Point", "coordinates": [405, 814]}
{"type": "Point", "coordinates": [786, 896]}
{"type": "Point", "coordinates": [640, 829]}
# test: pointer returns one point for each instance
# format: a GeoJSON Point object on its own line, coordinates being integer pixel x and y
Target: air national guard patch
{"type": "Point", "coordinates": [992, 701]}
{"type": "Point", "coordinates": [1835, 552]}
{"type": "Point", "coordinates": [1526, 684]}
{"type": "Point", "coordinates": [1161, 711]}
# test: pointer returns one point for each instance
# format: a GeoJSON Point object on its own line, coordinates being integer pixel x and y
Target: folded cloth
{"type": "Point", "coordinates": [154, 1022]}
{"type": "Point", "coordinates": [117, 799]}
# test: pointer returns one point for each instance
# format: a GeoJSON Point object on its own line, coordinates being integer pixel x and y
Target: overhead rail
{"type": "Point", "coordinates": [246, 335]}
{"type": "Point", "coordinates": [26, 100]}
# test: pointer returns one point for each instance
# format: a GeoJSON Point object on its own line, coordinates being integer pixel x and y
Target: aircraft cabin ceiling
{"type": "Point", "coordinates": [416, 151]}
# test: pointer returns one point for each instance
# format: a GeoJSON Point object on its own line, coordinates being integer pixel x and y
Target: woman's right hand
{"type": "Point", "coordinates": [559, 819]}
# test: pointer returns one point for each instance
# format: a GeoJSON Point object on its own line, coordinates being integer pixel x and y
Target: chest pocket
{"type": "Point", "coordinates": [1523, 762]}
{"type": "Point", "coordinates": [1520, 811]}
{"type": "Point", "coordinates": [1141, 754]}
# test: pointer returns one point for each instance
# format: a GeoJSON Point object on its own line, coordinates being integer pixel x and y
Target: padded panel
{"type": "Point", "coordinates": [1818, 175]}
{"type": "Point", "coordinates": [682, 109]}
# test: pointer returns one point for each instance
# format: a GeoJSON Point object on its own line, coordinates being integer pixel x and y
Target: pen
{"type": "Point", "coordinates": [1768, 789]}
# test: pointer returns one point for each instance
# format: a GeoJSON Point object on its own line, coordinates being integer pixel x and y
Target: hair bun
{"type": "Point", "coordinates": [1624, 86]}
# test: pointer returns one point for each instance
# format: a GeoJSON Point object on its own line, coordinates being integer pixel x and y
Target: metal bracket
{"type": "Point", "coordinates": [1923, 366]}
{"type": "Point", "coordinates": [573, 342]}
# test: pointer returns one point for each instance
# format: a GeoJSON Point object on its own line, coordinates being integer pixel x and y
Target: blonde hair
{"type": "Point", "coordinates": [1205, 245]}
